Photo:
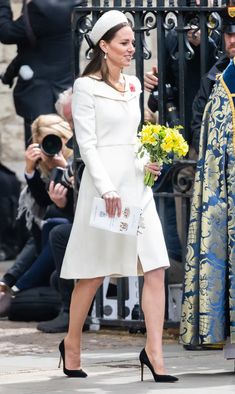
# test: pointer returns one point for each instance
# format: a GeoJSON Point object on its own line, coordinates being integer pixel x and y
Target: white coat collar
{"type": "Point", "coordinates": [101, 89]}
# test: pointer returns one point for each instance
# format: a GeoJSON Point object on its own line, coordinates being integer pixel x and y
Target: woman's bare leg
{"type": "Point", "coordinates": [82, 296]}
{"type": "Point", "coordinates": [153, 305]}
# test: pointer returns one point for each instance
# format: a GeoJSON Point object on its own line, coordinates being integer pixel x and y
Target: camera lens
{"type": "Point", "coordinates": [51, 145]}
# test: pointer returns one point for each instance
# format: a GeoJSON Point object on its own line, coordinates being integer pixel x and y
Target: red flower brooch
{"type": "Point", "coordinates": [132, 87]}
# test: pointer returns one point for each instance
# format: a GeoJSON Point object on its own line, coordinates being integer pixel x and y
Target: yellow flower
{"type": "Point", "coordinates": [159, 142]}
{"type": "Point", "coordinates": [174, 142]}
{"type": "Point", "coordinates": [147, 135]}
{"type": "Point", "coordinates": [183, 149]}
{"type": "Point", "coordinates": [168, 143]}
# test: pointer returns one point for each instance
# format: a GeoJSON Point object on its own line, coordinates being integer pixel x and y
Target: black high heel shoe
{"type": "Point", "coordinates": [144, 360]}
{"type": "Point", "coordinates": [72, 373]}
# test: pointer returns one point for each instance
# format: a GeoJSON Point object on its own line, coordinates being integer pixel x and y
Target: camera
{"type": "Point", "coordinates": [63, 175]}
{"type": "Point", "coordinates": [172, 115]}
{"type": "Point", "coordinates": [51, 145]}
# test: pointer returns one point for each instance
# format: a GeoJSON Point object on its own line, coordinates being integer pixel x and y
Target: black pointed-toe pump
{"type": "Point", "coordinates": [71, 373]}
{"type": "Point", "coordinates": [144, 360]}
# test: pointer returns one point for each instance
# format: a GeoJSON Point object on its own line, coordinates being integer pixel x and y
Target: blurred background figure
{"type": "Point", "coordinates": [173, 89]}
{"type": "Point", "coordinates": [10, 239]}
{"type": "Point", "coordinates": [192, 76]}
{"type": "Point", "coordinates": [43, 64]}
{"type": "Point", "coordinates": [208, 80]}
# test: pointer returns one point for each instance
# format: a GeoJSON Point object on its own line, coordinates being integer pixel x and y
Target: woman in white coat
{"type": "Point", "coordinates": [106, 115]}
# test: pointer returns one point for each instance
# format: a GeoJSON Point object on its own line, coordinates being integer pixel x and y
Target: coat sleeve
{"type": "Point", "coordinates": [11, 31]}
{"type": "Point", "coordinates": [16, 31]}
{"type": "Point", "coordinates": [38, 190]}
{"type": "Point", "coordinates": [83, 110]}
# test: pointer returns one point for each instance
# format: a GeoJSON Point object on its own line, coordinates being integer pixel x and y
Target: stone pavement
{"type": "Point", "coordinates": [29, 360]}
{"type": "Point", "coordinates": [29, 363]}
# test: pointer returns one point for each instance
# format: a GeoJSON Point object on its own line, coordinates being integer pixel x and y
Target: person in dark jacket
{"type": "Point", "coordinates": [207, 82]}
{"type": "Point", "coordinates": [192, 77]}
{"type": "Point", "coordinates": [43, 65]}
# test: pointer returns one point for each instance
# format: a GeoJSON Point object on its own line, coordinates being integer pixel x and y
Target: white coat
{"type": "Point", "coordinates": [106, 124]}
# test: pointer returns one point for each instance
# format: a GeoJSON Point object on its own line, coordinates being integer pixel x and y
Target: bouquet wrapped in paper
{"type": "Point", "coordinates": [160, 143]}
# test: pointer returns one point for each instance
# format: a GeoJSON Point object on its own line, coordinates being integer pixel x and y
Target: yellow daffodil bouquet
{"type": "Point", "coordinates": [159, 142]}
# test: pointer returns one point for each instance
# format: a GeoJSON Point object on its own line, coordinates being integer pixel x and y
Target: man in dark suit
{"type": "Point", "coordinates": [43, 65]}
{"type": "Point", "coordinates": [208, 80]}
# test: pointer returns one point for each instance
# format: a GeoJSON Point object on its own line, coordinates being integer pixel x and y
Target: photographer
{"type": "Point", "coordinates": [42, 66]}
{"type": "Point", "coordinates": [44, 202]}
{"type": "Point", "coordinates": [39, 163]}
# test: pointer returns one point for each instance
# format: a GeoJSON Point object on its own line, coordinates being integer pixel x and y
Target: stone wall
{"type": "Point", "coordinates": [11, 125]}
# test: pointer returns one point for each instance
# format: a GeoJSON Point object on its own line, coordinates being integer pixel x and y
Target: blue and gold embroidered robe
{"type": "Point", "coordinates": [208, 309]}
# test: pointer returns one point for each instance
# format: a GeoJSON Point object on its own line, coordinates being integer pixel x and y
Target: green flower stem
{"type": "Point", "coordinates": [149, 178]}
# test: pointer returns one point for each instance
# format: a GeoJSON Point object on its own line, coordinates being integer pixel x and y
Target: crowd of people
{"type": "Point", "coordinates": [42, 70]}
{"type": "Point", "coordinates": [101, 110]}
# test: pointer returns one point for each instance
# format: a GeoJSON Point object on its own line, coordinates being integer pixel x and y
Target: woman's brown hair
{"type": "Point", "coordinates": [98, 63]}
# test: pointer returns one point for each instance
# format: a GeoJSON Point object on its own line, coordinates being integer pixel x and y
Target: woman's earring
{"type": "Point", "coordinates": [105, 56]}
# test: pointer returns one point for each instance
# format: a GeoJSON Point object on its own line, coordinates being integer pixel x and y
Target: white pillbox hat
{"type": "Point", "coordinates": [106, 22]}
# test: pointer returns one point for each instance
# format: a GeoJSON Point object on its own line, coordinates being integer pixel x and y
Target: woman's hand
{"type": "Point", "coordinates": [113, 203]}
{"type": "Point", "coordinates": [58, 194]}
{"type": "Point", "coordinates": [154, 168]}
{"type": "Point", "coordinates": [32, 155]}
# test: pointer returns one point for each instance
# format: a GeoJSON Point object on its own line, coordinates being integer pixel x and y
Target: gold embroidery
{"type": "Point", "coordinates": [231, 11]}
